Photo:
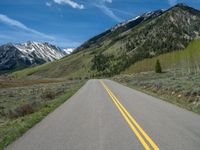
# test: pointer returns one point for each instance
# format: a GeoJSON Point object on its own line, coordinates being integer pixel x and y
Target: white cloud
{"type": "Point", "coordinates": [11, 22]}
{"type": "Point", "coordinates": [71, 3]}
{"type": "Point", "coordinates": [109, 1]}
{"type": "Point", "coordinates": [101, 4]}
{"type": "Point", "coordinates": [25, 33]}
{"type": "Point", "coordinates": [172, 2]}
{"type": "Point", "coordinates": [108, 12]}
{"type": "Point", "coordinates": [18, 36]}
{"type": "Point", "coordinates": [48, 4]}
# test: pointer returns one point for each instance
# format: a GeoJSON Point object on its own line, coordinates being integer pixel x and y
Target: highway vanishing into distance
{"type": "Point", "coordinates": [105, 115]}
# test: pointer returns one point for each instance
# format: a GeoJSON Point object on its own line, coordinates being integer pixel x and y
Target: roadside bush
{"type": "Point", "coordinates": [2, 113]}
{"type": "Point", "coordinates": [86, 78]}
{"type": "Point", "coordinates": [194, 92]}
{"type": "Point", "coordinates": [70, 78]}
{"type": "Point", "coordinates": [49, 95]}
{"type": "Point", "coordinates": [23, 110]}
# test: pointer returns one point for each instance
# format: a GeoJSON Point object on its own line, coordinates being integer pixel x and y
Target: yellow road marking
{"type": "Point", "coordinates": [131, 121]}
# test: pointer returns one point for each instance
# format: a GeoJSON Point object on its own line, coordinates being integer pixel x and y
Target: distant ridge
{"type": "Point", "coordinates": [18, 56]}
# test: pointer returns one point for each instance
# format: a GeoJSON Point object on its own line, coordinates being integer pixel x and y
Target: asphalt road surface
{"type": "Point", "coordinates": [104, 115]}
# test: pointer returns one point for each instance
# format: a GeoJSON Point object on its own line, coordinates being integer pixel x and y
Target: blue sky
{"type": "Point", "coordinates": [68, 23]}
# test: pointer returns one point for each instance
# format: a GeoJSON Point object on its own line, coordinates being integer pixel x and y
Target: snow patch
{"type": "Point", "coordinates": [68, 50]}
{"type": "Point", "coordinates": [43, 51]}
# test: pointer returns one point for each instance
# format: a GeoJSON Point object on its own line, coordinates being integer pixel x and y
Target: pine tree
{"type": "Point", "coordinates": [158, 68]}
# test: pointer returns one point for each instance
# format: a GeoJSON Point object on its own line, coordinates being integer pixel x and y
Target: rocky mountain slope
{"type": "Point", "coordinates": [18, 56]}
{"type": "Point", "coordinates": [120, 28]}
{"type": "Point", "coordinates": [113, 51]}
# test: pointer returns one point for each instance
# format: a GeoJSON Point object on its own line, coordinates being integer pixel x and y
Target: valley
{"type": "Point", "coordinates": [37, 79]}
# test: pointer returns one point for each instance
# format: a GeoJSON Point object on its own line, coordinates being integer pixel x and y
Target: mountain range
{"type": "Point", "coordinates": [113, 51]}
{"type": "Point", "coordinates": [19, 56]}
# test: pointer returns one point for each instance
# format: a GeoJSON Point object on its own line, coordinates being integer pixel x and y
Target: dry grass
{"type": "Point", "coordinates": [23, 103]}
{"type": "Point", "coordinates": [182, 90]}
{"type": "Point", "coordinates": [6, 82]}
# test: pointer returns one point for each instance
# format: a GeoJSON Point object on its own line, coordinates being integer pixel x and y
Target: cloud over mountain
{"type": "Point", "coordinates": [14, 23]}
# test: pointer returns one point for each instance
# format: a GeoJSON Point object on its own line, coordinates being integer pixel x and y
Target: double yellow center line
{"type": "Point", "coordinates": [139, 132]}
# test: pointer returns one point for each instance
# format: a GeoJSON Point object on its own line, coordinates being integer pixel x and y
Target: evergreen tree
{"type": "Point", "coordinates": [158, 68]}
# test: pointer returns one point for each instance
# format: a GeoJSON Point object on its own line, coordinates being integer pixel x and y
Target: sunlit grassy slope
{"type": "Point", "coordinates": [186, 60]}
{"type": "Point", "coordinates": [75, 65]}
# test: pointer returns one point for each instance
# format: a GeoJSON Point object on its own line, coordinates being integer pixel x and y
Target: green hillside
{"type": "Point", "coordinates": [115, 50]}
{"type": "Point", "coordinates": [186, 60]}
{"type": "Point", "coordinates": [75, 65]}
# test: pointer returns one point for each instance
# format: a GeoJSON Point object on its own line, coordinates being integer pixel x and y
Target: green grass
{"type": "Point", "coordinates": [11, 129]}
{"type": "Point", "coordinates": [70, 66]}
{"type": "Point", "coordinates": [187, 60]}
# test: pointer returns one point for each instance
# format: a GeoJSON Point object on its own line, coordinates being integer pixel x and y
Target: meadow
{"type": "Point", "coordinates": [24, 102]}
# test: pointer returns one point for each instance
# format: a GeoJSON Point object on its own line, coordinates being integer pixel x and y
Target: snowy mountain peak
{"type": "Point", "coordinates": [28, 54]}
{"type": "Point", "coordinates": [44, 51]}
{"type": "Point", "coordinates": [139, 19]}
{"type": "Point", "coordinates": [153, 14]}
{"type": "Point", "coordinates": [68, 50]}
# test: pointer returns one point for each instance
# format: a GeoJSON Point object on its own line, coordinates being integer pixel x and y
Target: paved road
{"type": "Point", "coordinates": [110, 116]}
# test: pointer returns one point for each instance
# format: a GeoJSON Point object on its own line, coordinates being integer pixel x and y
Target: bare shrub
{"type": "Point", "coordinates": [48, 95]}
{"type": "Point", "coordinates": [23, 110]}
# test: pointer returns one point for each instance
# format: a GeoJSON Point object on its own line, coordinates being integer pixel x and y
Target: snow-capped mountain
{"type": "Point", "coordinates": [120, 28]}
{"type": "Point", "coordinates": [139, 19]}
{"type": "Point", "coordinates": [14, 56]}
{"type": "Point", "coordinates": [68, 50]}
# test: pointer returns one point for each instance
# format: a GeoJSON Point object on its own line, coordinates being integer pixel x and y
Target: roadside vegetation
{"type": "Point", "coordinates": [174, 87]}
{"type": "Point", "coordinates": [25, 102]}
